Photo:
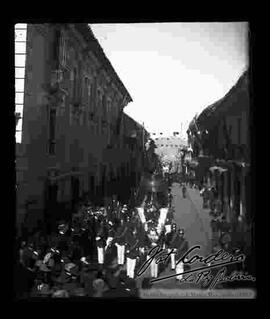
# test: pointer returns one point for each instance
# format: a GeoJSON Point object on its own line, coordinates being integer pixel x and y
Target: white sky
{"type": "Point", "coordinates": [174, 70]}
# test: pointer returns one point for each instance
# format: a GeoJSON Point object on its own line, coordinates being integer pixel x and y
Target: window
{"type": "Point", "coordinates": [19, 84]}
{"type": "Point", "coordinates": [239, 130]}
{"type": "Point", "coordinates": [20, 60]}
{"type": "Point", "coordinates": [109, 109]}
{"type": "Point", "coordinates": [20, 32]}
{"type": "Point", "coordinates": [74, 83]}
{"type": "Point", "coordinates": [104, 107]}
{"type": "Point", "coordinates": [19, 97]}
{"type": "Point", "coordinates": [52, 123]}
{"type": "Point", "coordinates": [56, 47]}
{"type": "Point", "coordinates": [230, 131]}
{"type": "Point", "coordinates": [20, 47]}
{"type": "Point", "coordinates": [86, 90]}
{"type": "Point", "coordinates": [63, 49]}
{"type": "Point", "coordinates": [19, 73]}
{"type": "Point", "coordinates": [19, 109]}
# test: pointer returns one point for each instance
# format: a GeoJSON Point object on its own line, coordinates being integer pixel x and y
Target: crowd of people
{"type": "Point", "coordinates": [97, 253]}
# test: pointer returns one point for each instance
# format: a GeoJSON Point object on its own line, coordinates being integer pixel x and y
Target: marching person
{"type": "Point", "coordinates": [141, 214]}
{"type": "Point", "coordinates": [170, 214]}
{"type": "Point", "coordinates": [133, 251]}
{"type": "Point", "coordinates": [111, 234]}
{"type": "Point", "coordinates": [184, 191]}
{"type": "Point", "coordinates": [224, 226]}
{"type": "Point", "coordinates": [170, 243]}
{"type": "Point", "coordinates": [153, 242]}
{"type": "Point", "coordinates": [162, 216]}
{"type": "Point", "coordinates": [120, 239]}
{"type": "Point", "coordinates": [101, 243]}
{"type": "Point", "coordinates": [167, 228]}
{"type": "Point", "coordinates": [205, 196]}
{"type": "Point", "coordinates": [182, 247]}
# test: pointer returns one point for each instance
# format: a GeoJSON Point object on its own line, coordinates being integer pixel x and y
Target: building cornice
{"type": "Point", "coordinates": [225, 102]}
{"type": "Point", "coordinates": [97, 50]}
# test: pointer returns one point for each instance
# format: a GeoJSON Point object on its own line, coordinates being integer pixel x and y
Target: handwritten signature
{"type": "Point", "coordinates": [218, 259]}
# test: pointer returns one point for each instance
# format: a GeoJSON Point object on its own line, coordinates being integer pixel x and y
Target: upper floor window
{"type": "Point", "coordinates": [109, 108]}
{"type": "Point", "coordinates": [63, 50]}
{"type": "Point", "coordinates": [93, 97]}
{"type": "Point", "coordinates": [239, 121]}
{"type": "Point", "coordinates": [230, 131]}
{"type": "Point", "coordinates": [86, 87]}
{"type": "Point", "coordinates": [75, 81]}
{"type": "Point", "coordinates": [20, 60]}
{"type": "Point", "coordinates": [56, 47]}
{"type": "Point", "coordinates": [52, 124]}
{"type": "Point", "coordinates": [104, 107]}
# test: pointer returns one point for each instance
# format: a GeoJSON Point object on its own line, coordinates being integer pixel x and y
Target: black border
{"type": "Point", "coordinates": [11, 126]}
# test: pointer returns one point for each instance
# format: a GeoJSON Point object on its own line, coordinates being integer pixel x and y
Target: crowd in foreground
{"type": "Point", "coordinates": [98, 252]}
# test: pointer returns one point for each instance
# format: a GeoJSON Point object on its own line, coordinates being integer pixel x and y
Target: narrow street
{"type": "Point", "coordinates": [99, 204]}
{"type": "Point", "coordinates": [195, 220]}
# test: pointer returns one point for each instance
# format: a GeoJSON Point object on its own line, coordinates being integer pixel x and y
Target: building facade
{"type": "Point", "coordinates": [127, 157]}
{"type": "Point", "coordinates": [220, 137]}
{"type": "Point", "coordinates": [73, 105]}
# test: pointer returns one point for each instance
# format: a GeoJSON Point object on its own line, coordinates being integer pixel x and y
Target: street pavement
{"type": "Point", "coordinates": [195, 220]}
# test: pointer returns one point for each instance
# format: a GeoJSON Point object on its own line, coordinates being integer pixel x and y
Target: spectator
{"type": "Point", "coordinates": [99, 287]}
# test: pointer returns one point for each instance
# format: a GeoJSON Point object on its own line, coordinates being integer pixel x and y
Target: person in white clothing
{"type": "Point", "coordinates": [120, 241]}
{"type": "Point", "coordinates": [182, 247]}
{"type": "Point", "coordinates": [154, 239]}
{"type": "Point", "coordinates": [169, 243]}
{"type": "Point", "coordinates": [133, 251]}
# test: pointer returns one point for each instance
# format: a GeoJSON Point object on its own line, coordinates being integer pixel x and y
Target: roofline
{"type": "Point", "coordinates": [219, 102]}
{"type": "Point", "coordinates": [94, 46]}
{"type": "Point", "coordinates": [137, 123]}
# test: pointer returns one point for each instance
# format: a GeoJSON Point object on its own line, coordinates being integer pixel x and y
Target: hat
{"type": "Point", "coordinates": [69, 266]}
{"type": "Point", "coordinates": [181, 231]}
